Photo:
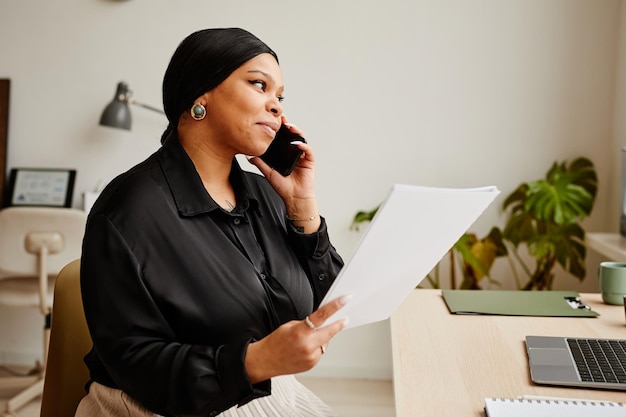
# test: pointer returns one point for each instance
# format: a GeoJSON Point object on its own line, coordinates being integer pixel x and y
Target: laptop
{"type": "Point", "coordinates": [577, 362]}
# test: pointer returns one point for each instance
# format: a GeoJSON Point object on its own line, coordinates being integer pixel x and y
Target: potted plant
{"type": "Point", "coordinates": [545, 216]}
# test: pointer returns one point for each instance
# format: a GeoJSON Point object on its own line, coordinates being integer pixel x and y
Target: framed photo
{"type": "Point", "coordinates": [41, 187]}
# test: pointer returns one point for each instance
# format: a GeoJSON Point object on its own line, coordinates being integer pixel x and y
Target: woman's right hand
{"type": "Point", "coordinates": [294, 347]}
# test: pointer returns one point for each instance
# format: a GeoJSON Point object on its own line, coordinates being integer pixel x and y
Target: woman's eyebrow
{"type": "Point", "coordinates": [263, 73]}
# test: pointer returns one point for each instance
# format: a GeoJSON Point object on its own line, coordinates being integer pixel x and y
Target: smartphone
{"type": "Point", "coordinates": [281, 154]}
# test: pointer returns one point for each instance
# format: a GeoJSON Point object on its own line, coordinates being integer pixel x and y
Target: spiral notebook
{"type": "Point", "coordinates": [504, 407]}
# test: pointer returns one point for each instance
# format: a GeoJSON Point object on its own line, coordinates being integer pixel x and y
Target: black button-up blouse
{"type": "Point", "coordinates": [175, 288]}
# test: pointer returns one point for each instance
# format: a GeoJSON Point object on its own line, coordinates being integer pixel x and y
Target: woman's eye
{"type": "Point", "coordinates": [259, 84]}
{"type": "Point", "coordinates": [262, 85]}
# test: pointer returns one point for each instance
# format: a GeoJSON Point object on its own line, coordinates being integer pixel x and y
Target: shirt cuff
{"type": "Point", "coordinates": [309, 245]}
{"type": "Point", "coordinates": [230, 360]}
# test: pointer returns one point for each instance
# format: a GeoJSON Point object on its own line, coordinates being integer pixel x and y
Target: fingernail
{"type": "Point", "coordinates": [344, 322]}
{"type": "Point", "coordinates": [344, 300]}
{"type": "Point", "coordinates": [289, 125]}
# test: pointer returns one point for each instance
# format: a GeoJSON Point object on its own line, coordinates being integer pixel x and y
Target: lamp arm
{"type": "Point", "coordinates": [145, 106]}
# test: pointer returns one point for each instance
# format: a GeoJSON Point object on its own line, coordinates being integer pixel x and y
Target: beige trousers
{"type": "Point", "coordinates": [289, 399]}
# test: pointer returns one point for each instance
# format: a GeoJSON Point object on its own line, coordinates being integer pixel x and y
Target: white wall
{"type": "Point", "coordinates": [619, 121]}
{"type": "Point", "coordinates": [444, 93]}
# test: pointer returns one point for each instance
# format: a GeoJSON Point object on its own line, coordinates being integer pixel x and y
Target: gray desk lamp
{"type": "Point", "coordinates": [117, 112]}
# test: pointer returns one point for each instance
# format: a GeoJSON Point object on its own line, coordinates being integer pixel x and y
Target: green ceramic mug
{"type": "Point", "coordinates": [612, 280]}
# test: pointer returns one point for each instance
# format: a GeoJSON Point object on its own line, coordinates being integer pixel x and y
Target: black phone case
{"type": "Point", "coordinates": [281, 155]}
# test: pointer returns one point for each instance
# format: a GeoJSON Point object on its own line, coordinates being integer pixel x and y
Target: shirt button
{"type": "Point", "coordinates": [321, 277]}
{"type": "Point", "coordinates": [237, 221]}
{"type": "Point", "coordinates": [262, 276]}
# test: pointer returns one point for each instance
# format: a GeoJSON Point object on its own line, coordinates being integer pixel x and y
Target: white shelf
{"type": "Point", "coordinates": [611, 245]}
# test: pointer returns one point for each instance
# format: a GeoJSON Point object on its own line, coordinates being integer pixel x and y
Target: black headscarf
{"type": "Point", "coordinates": [200, 63]}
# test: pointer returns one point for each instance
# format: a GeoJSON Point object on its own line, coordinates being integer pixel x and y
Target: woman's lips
{"type": "Point", "coordinates": [270, 127]}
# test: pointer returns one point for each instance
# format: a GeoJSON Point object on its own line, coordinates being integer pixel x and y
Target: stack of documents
{"type": "Point", "coordinates": [413, 229]}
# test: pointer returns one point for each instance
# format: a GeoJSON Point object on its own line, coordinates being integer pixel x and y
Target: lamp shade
{"type": "Point", "coordinates": [117, 113]}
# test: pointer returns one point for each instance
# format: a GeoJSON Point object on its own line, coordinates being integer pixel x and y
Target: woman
{"type": "Point", "coordinates": [201, 282]}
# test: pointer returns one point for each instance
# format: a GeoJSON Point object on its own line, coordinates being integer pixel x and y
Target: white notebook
{"type": "Point", "coordinates": [504, 407]}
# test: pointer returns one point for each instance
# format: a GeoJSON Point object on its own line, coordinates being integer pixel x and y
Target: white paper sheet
{"type": "Point", "coordinates": [411, 232]}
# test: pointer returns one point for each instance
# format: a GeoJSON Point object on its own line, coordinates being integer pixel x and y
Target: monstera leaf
{"type": "Point", "coordinates": [478, 256]}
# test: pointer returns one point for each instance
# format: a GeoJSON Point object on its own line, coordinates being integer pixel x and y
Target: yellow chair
{"type": "Point", "coordinates": [66, 373]}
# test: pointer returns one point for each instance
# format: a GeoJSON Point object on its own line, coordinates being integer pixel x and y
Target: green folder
{"type": "Point", "coordinates": [517, 303]}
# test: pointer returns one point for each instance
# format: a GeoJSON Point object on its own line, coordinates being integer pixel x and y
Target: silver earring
{"type": "Point", "coordinates": [198, 112]}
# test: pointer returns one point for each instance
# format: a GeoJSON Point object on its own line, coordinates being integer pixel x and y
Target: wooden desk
{"type": "Point", "coordinates": [446, 364]}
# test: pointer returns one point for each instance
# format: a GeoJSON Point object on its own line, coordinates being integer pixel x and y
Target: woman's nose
{"type": "Point", "coordinates": [275, 107]}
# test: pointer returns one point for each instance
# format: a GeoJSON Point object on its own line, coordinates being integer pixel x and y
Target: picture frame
{"type": "Point", "coordinates": [50, 187]}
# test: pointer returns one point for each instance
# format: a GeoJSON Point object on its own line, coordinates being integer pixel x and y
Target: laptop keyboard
{"type": "Point", "coordinates": [600, 360]}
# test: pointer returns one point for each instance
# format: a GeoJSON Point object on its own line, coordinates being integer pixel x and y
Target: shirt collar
{"type": "Point", "coordinates": [186, 186]}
